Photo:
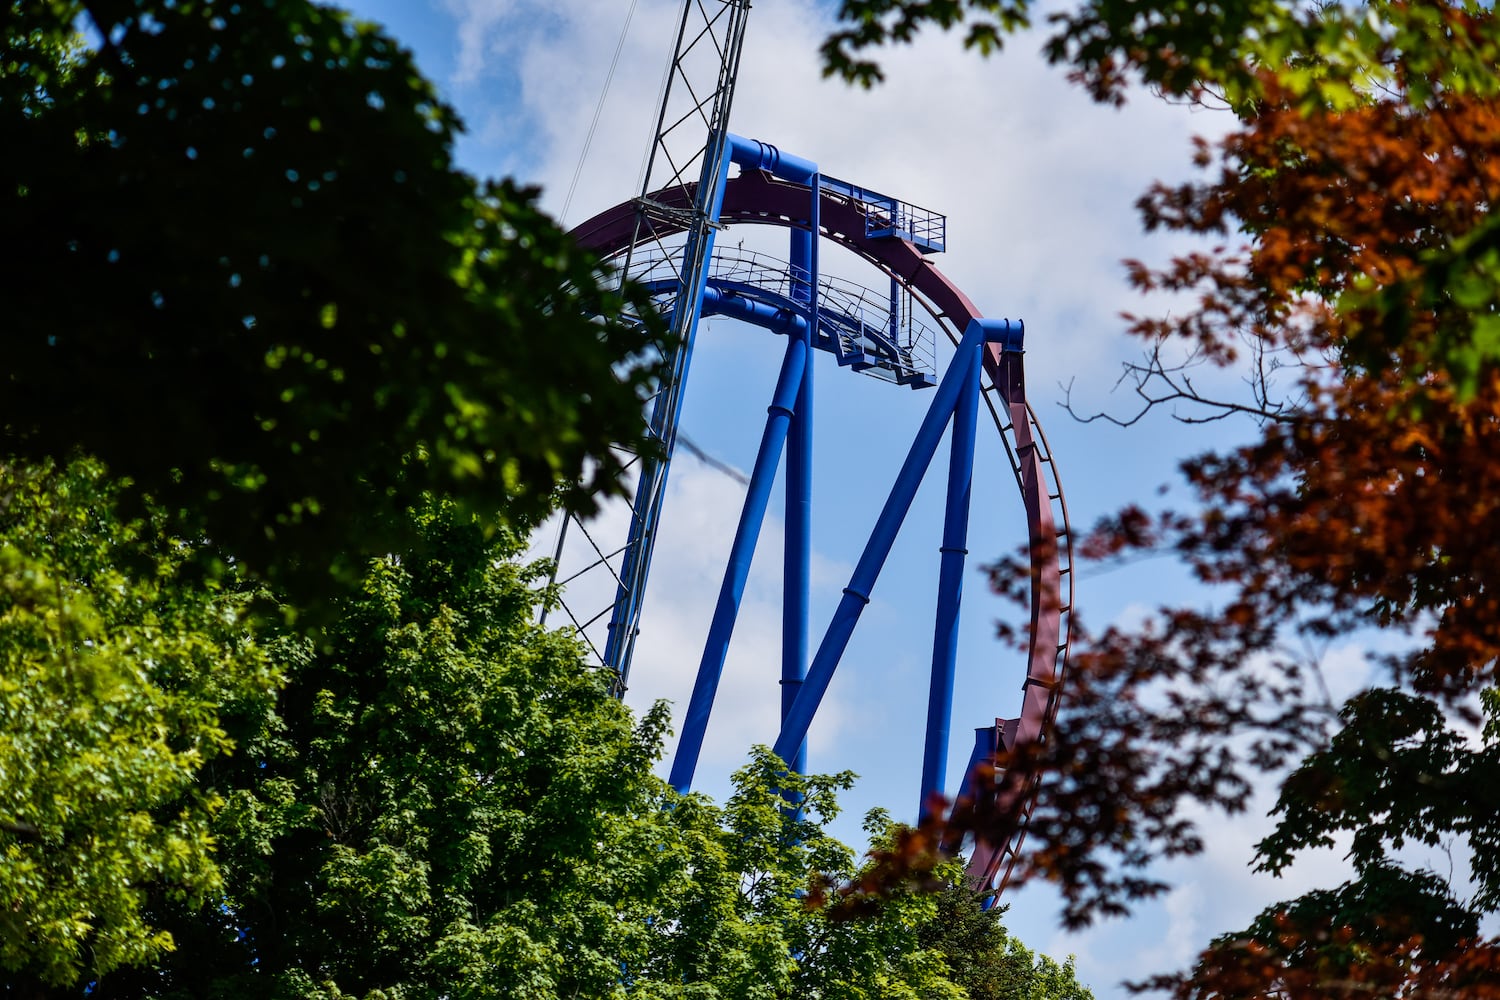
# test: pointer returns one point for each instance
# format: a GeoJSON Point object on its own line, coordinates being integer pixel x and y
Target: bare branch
{"type": "Point", "coordinates": [1156, 382]}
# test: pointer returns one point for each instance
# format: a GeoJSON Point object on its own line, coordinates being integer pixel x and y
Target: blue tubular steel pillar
{"type": "Point", "coordinates": [797, 556]}
{"type": "Point", "coordinates": [751, 155]}
{"type": "Point", "coordinates": [950, 584]}
{"type": "Point", "coordinates": [883, 536]}
{"type": "Point", "coordinates": [796, 603]}
{"type": "Point", "coordinates": [711, 667]}
{"type": "Point", "coordinates": [986, 745]}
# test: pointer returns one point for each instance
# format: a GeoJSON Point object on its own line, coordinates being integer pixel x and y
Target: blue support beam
{"type": "Point", "coordinates": [753, 155]}
{"type": "Point", "coordinates": [987, 742]}
{"type": "Point", "coordinates": [883, 536]}
{"type": "Point", "coordinates": [950, 584]}
{"type": "Point", "coordinates": [793, 389]}
{"type": "Point", "coordinates": [796, 610]}
{"type": "Point", "coordinates": [725, 302]}
{"type": "Point", "coordinates": [986, 745]}
{"type": "Point", "coordinates": [732, 590]}
{"type": "Point", "coordinates": [789, 427]}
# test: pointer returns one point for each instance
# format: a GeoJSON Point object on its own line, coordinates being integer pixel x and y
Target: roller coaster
{"type": "Point", "coordinates": [701, 178]}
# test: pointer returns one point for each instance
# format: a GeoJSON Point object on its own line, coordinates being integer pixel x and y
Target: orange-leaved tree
{"type": "Point", "coordinates": [1359, 258]}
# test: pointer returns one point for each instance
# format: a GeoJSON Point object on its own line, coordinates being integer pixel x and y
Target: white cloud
{"type": "Point", "coordinates": [477, 42]}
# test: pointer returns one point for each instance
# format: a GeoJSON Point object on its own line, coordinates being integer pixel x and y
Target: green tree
{"type": "Point", "coordinates": [113, 669]}
{"type": "Point", "coordinates": [744, 924]}
{"type": "Point", "coordinates": [254, 284]}
{"type": "Point", "coordinates": [443, 801]}
{"type": "Point", "coordinates": [1396, 773]}
{"type": "Point", "coordinates": [986, 961]}
{"type": "Point", "coordinates": [1327, 54]}
{"type": "Point", "coordinates": [250, 285]}
{"type": "Point", "coordinates": [753, 917]}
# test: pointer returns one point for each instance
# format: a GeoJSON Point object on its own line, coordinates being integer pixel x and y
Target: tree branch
{"type": "Point", "coordinates": [1156, 383]}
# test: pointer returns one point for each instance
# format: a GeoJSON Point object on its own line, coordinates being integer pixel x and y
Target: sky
{"type": "Point", "coordinates": [1038, 184]}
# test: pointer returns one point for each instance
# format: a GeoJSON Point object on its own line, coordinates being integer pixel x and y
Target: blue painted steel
{"type": "Point", "coordinates": [755, 155]}
{"type": "Point", "coordinates": [796, 606]}
{"type": "Point", "coordinates": [697, 257]}
{"type": "Point", "coordinates": [950, 584]}
{"type": "Point", "coordinates": [887, 216]}
{"type": "Point", "coordinates": [800, 280]}
{"type": "Point", "coordinates": [777, 319]}
{"type": "Point", "coordinates": [793, 382]}
{"type": "Point", "coordinates": [986, 745]}
{"type": "Point", "coordinates": [1009, 337]}
{"type": "Point", "coordinates": [849, 336]}
{"type": "Point", "coordinates": [789, 420]}
{"type": "Point", "coordinates": [859, 340]}
{"type": "Point", "coordinates": [763, 475]}
{"type": "Point", "coordinates": [796, 601]}
{"type": "Point", "coordinates": [882, 537]}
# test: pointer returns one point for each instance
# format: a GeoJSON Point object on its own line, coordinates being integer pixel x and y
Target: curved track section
{"type": "Point", "coordinates": [755, 198]}
{"type": "Point", "coordinates": [854, 322]}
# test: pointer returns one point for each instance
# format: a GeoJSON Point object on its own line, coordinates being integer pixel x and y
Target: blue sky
{"type": "Point", "coordinates": [1038, 185]}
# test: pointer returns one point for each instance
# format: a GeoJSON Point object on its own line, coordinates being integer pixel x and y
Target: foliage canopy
{"type": "Point", "coordinates": [113, 672]}
{"type": "Point", "coordinates": [438, 800]}
{"type": "Point", "coordinates": [256, 286]}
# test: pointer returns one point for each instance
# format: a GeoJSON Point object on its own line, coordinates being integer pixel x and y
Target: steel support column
{"type": "Point", "coordinates": [950, 584]}
{"type": "Point", "coordinates": [797, 552]}
{"type": "Point", "coordinates": [741, 552]}
{"type": "Point", "coordinates": [882, 537]}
